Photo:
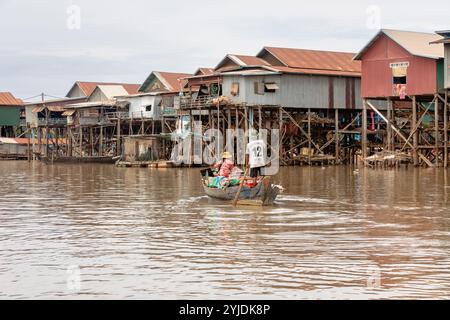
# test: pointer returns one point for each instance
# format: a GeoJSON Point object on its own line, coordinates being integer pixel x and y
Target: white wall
{"type": "Point", "coordinates": [30, 117]}
{"type": "Point", "coordinates": [138, 106]}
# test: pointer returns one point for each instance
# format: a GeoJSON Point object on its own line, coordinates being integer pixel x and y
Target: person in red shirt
{"type": "Point", "coordinates": [226, 166]}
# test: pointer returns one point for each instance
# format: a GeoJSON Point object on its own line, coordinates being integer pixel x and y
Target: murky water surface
{"type": "Point", "coordinates": [96, 231]}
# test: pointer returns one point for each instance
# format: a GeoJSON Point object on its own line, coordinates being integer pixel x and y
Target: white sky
{"type": "Point", "coordinates": [123, 41]}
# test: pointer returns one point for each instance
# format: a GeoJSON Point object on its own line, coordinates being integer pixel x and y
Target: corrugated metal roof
{"type": "Point", "coordinates": [249, 60]}
{"type": "Point", "coordinates": [68, 113]}
{"type": "Point", "coordinates": [250, 72]}
{"type": "Point", "coordinates": [316, 71]}
{"type": "Point", "coordinates": [314, 59]}
{"type": "Point", "coordinates": [56, 102]}
{"type": "Point", "coordinates": [89, 87]}
{"type": "Point", "coordinates": [111, 91]}
{"type": "Point", "coordinates": [204, 71]}
{"type": "Point", "coordinates": [7, 99]}
{"type": "Point", "coordinates": [55, 108]}
{"type": "Point", "coordinates": [278, 69]}
{"type": "Point", "coordinates": [38, 109]}
{"type": "Point", "coordinates": [240, 61]}
{"type": "Point", "coordinates": [174, 81]}
{"type": "Point", "coordinates": [87, 105]}
{"type": "Point", "coordinates": [416, 43]}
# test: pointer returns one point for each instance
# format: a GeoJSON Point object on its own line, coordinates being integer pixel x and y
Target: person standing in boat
{"type": "Point", "coordinates": [225, 166]}
{"type": "Point", "coordinates": [255, 155]}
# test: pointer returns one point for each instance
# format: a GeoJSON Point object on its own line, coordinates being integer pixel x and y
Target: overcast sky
{"type": "Point", "coordinates": [43, 50]}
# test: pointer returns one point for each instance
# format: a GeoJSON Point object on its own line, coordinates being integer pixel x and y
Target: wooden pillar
{"type": "Point", "coordinates": [69, 141]}
{"type": "Point", "coordinates": [29, 145]}
{"type": "Point", "coordinates": [100, 143]}
{"type": "Point", "coordinates": [130, 126]}
{"type": "Point", "coordinates": [246, 119]}
{"type": "Point", "coordinates": [39, 137]}
{"type": "Point", "coordinates": [389, 127]}
{"type": "Point", "coordinates": [218, 151]}
{"type": "Point", "coordinates": [191, 125]}
{"type": "Point", "coordinates": [436, 130]}
{"type": "Point", "coordinates": [56, 141]}
{"type": "Point", "coordinates": [309, 136]}
{"type": "Point", "coordinates": [118, 146]}
{"type": "Point", "coordinates": [416, 133]}
{"type": "Point", "coordinates": [91, 141]}
{"type": "Point", "coordinates": [229, 128]}
{"type": "Point", "coordinates": [364, 130]}
{"type": "Point", "coordinates": [81, 141]}
{"type": "Point", "coordinates": [210, 119]}
{"type": "Point", "coordinates": [142, 129]}
{"type": "Point", "coordinates": [260, 118]}
{"type": "Point", "coordinates": [280, 126]}
{"type": "Point", "coordinates": [336, 134]}
{"type": "Point", "coordinates": [446, 130]}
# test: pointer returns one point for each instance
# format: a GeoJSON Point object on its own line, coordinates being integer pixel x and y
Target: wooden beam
{"type": "Point", "coordinates": [336, 134]}
{"type": "Point", "coordinates": [389, 128]}
{"type": "Point", "coordinates": [309, 136]}
{"type": "Point", "coordinates": [415, 132]}
{"type": "Point", "coordinates": [397, 131]}
{"type": "Point", "coordinates": [118, 146]}
{"type": "Point", "coordinates": [301, 129]}
{"type": "Point", "coordinates": [100, 146]}
{"type": "Point", "coordinates": [364, 129]}
{"type": "Point", "coordinates": [446, 130]}
{"type": "Point", "coordinates": [436, 130]}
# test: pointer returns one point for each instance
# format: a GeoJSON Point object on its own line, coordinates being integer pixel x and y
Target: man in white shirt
{"type": "Point", "coordinates": [256, 151]}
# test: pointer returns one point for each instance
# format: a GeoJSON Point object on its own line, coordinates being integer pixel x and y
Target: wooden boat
{"type": "Point", "coordinates": [263, 193]}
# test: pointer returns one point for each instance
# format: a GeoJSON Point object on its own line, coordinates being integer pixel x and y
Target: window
{"type": "Point", "coordinates": [235, 89]}
{"type": "Point", "coordinates": [270, 87]}
{"type": "Point", "coordinates": [399, 80]}
{"type": "Point", "coordinates": [148, 108]}
{"type": "Point", "coordinates": [259, 88]}
{"type": "Point", "coordinates": [399, 72]}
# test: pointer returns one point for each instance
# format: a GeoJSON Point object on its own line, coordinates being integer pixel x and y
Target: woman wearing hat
{"type": "Point", "coordinates": [226, 165]}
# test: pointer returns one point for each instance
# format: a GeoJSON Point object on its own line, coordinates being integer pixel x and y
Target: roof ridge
{"type": "Point", "coordinates": [408, 31]}
{"type": "Point", "coordinates": [303, 49]}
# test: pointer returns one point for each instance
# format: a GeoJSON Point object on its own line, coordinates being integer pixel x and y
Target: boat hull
{"type": "Point", "coordinates": [264, 192]}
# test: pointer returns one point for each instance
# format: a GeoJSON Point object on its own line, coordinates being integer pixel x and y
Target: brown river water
{"type": "Point", "coordinates": [96, 231]}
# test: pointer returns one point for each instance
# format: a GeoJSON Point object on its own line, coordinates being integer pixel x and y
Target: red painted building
{"type": "Point", "coordinates": [401, 63]}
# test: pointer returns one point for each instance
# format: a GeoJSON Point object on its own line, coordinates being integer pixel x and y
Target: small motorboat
{"type": "Point", "coordinates": [263, 192]}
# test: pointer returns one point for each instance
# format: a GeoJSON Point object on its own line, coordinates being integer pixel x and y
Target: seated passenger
{"type": "Point", "coordinates": [226, 166]}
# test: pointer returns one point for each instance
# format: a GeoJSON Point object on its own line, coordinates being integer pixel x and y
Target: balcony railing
{"type": "Point", "coordinates": [198, 102]}
{"type": "Point", "coordinates": [52, 121]}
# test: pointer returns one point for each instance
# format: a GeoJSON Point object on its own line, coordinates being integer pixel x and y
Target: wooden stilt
{"type": "Point", "coordinates": [416, 133]}
{"type": "Point", "coordinates": [336, 135]}
{"type": "Point", "coordinates": [100, 143]}
{"type": "Point", "coordinates": [436, 131]}
{"type": "Point", "coordinates": [309, 137]}
{"type": "Point", "coordinates": [446, 130]}
{"type": "Point", "coordinates": [280, 127]}
{"type": "Point", "coordinates": [364, 130]}
{"type": "Point", "coordinates": [118, 143]}
{"type": "Point", "coordinates": [91, 141]}
{"type": "Point", "coordinates": [389, 127]}
{"type": "Point", "coordinates": [259, 118]}
{"type": "Point", "coordinates": [81, 141]}
{"type": "Point", "coordinates": [29, 145]}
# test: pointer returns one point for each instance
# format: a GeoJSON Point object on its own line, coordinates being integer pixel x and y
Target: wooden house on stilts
{"type": "Point", "coordinates": [407, 70]}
